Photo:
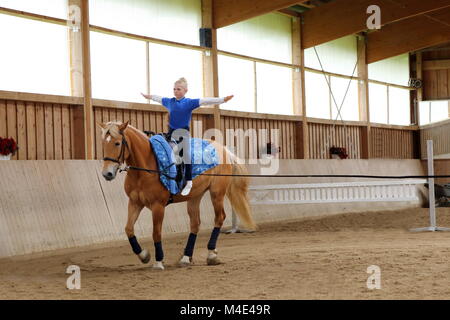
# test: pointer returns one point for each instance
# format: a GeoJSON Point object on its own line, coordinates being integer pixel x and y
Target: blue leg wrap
{"type": "Point", "coordinates": [159, 254]}
{"type": "Point", "coordinates": [213, 240]}
{"type": "Point", "coordinates": [135, 245]}
{"type": "Point", "coordinates": [189, 250]}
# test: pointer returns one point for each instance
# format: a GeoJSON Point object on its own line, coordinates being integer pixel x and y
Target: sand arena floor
{"type": "Point", "coordinates": [324, 258]}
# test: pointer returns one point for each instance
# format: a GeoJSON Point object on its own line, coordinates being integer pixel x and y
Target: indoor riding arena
{"type": "Point", "coordinates": [334, 117]}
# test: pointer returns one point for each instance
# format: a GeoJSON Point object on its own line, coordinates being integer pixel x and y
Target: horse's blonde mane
{"type": "Point", "coordinates": [112, 128]}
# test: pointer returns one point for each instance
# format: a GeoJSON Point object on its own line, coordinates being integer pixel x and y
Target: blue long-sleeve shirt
{"type": "Point", "coordinates": [180, 111]}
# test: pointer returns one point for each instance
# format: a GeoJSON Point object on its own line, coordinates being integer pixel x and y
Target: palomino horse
{"type": "Point", "coordinates": [124, 143]}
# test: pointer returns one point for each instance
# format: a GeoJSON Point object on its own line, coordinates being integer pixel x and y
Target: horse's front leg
{"type": "Point", "coordinates": [158, 217]}
{"type": "Point", "coordinates": [134, 209]}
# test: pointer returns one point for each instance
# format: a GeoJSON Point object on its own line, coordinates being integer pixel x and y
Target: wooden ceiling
{"type": "Point", "coordinates": [407, 25]}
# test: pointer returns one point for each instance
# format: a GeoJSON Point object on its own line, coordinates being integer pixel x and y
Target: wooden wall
{"type": "Point", "coordinates": [440, 134]}
{"type": "Point", "coordinates": [280, 131]}
{"type": "Point", "coordinates": [48, 127]}
{"type": "Point", "coordinates": [42, 130]}
{"type": "Point", "coordinates": [392, 143]}
{"type": "Point", "coordinates": [436, 83]}
{"type": "Point", "coordinates": [323, 136]}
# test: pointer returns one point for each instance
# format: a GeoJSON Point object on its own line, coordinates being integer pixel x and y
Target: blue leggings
{"type": "Point", "coordinates": [185, 153]}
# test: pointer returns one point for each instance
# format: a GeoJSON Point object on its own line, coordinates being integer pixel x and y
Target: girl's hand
{"type": "Point", "coordinates": [228, 98]}
{"type": "Point", "coordinates": [146, 96]}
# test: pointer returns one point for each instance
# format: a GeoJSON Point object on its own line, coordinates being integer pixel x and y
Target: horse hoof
{"type": "Point", "coordinates": [185, 261]}
{"type": "Point", "coordinates": [144, 256]}
{"type": "Point", "coordinates": [212, 259]}
{"type": "Point", "coordinates": [158, 265]}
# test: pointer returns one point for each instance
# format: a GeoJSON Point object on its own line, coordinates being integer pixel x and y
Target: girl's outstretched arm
{"type": "Point", "coordinates": [208, 101]}
{"type": "Point", "coordinates": [153, 97]}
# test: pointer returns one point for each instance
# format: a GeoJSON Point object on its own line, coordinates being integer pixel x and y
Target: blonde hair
{"type": "Point", "coordinates": [182, 82]}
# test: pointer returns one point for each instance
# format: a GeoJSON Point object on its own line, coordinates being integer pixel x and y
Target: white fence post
{"type": "Point", "coordinates": [431, 196]}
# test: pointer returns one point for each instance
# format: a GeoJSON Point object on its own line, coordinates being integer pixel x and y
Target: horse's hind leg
{"type": "Point", "coordinates": [217, 200]}
{"type": "Point", "coordinates": [193, 208]}
{"type": "Point", "coordinates": [134, 210]}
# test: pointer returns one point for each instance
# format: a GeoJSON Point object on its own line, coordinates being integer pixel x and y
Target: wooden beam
{"type": "Point", "coordinates": [436, 64]}
{"type": "Point", "coordinates": [409, 35]}
{"type": "Point", "coordinates": [210, 64]}
{"type": "Point", "coordinates": [290, 13]}
{"type": "Point", "coordinates": [227, 12]}
{"type": "Point", "coordinates": [419, 75]}
{"type": "Point", "coordinates": [303, 144]}
{"type": "Point", "coordinates": [363, 96]}
{"type": "Point", "coordinates": [415, 72]}
{"type": "Point", "coordinates": [363, 76]}
{"type": "Point", "coordinates": [87, 87]}
{"type": "Point", "coordinates": [210, 73]}
{"type": "Point", "coordinates": [340, 18]}
{"type": "Point", "coordinates": [75, 50]}
{"type": "Point", "coordinates": [306, 5]}
{"type": "Point", "coordinates": [297, 58]}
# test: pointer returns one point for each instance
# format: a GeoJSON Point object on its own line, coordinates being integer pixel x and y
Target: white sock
{"type": "Point", "coordinates": [187, 188]}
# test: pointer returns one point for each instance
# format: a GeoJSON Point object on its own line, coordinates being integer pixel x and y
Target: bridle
{"type": "Point", "coordinates": [122, 151]}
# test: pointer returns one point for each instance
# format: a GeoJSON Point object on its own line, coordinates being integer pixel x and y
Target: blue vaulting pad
{"type": "Point", "coordinates": [203, 157]}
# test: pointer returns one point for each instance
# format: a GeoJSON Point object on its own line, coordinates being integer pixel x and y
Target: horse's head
{"type": "Point", "coordinates": [115, 148]}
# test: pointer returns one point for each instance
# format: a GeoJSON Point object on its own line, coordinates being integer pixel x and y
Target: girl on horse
{"type": "Point", "coordinates": [180, 113]}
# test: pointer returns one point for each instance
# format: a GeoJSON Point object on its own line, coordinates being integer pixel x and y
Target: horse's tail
{"type": "Point", "coordinates": [237, 193]}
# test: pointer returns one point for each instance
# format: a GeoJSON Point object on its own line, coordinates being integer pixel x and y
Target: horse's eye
{"type": "Point", "coordinates": [117, 143]}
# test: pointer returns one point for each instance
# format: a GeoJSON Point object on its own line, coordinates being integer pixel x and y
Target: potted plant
{"type": "Point", "coordinates": [8, 147]}
{"type": "Point", "coordinates": [338, 153]}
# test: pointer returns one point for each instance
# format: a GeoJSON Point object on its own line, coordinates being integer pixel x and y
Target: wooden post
{"type": "Point", "coordinates": [75, 48]}
{"type": "Point", "coordinates": [296, 73]}
{"type": "Point", "coordinates": [419, 92]}
{"type": "Point", "coordinates": [147, 66]}
{"type": "Point", "coordinates": [87, 89]}
{"type": "Point", "coordinates": [297, 89]}
{"type": "Point", "coordinates": [298, 85]}
{"type": "Point", "coordinates": [210, 64]}
{"type": "Point", "coordinates": [363, 96]}
{"type": "Point", "coordinates": [76, 77]}
{"type": "Point", "coordinates": [80, 76]}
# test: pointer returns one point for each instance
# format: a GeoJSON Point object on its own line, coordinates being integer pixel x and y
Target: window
{"type": "Point", "coordinates": [117, 68]}
{"type": "Point", "coordinates": [236, 76]}
{"type": "Point", "coordinates": [174, 20]}
{"type": "Point", "coordinates": [337, 56]}
{"type": "Point", "coordinates": [274, 89]}
{"type": "Point", "coordinates": [50, 8]}
{"type": "Point", "coordinates": [399, 107]}
{"type": "Point", "coordinates": [168, 64]}
{"type": "Point", "coordinates": [347, 88]}
{"type": "Point", "coordinates": [34, 56]}
{"type": "Point", "coordinates": [317, 96]}
{"type": "Point", "coordinates": [393, 70]}
{"type": "Point", "coordinates": [378, 103]}
{"type": "Point", "coordinates": [434, 111]}
{"type": "Point", "coordinates": [266, 37]}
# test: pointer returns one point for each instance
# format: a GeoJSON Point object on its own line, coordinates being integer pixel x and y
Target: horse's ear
{"type": "Point", "coordinates": [101, 125]}
{"type": "Point", "coordinates": [123, 126]}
